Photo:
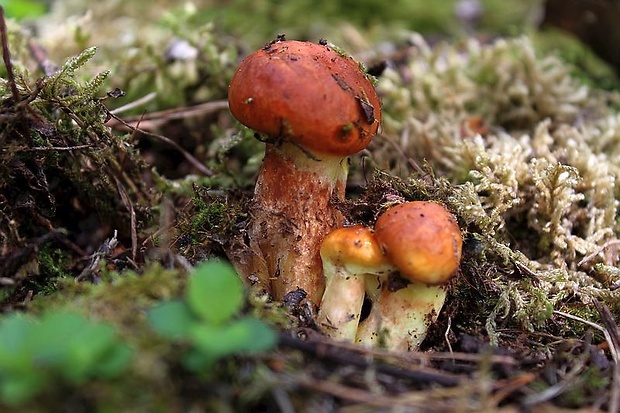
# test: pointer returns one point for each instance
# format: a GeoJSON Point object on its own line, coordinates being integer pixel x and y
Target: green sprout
{"type": "Point", "coordinates": [207, 318]}
{"type": "Point", "coordinates": [61, 347]}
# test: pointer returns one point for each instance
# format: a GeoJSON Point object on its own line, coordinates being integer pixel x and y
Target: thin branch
{"type": "Point", "coordinates": [195, 162]}
{"type": "Point", "coordinates": [56, 148]}
{"type": "Point", "coordinates": [136, 103]}
{"type": "Point", "coordinates": [409, 357]}
{"type": "Point", "coordinates": [586, 322]}
{"type": "Point", "coordinates": [413, 400]}
{"type": "Point", "coordinates": [614, 398]}
{"type": "Point", "coordinates": [323, 350]}
{"type": "Point", "coordinates": [40, 56]}
{"type": "Point", "coordinates": [600, 249]}
{"type": "Point", "coordinates": [154, 119]}
{"type": "Point", "coordinates": [95, 259]}
{"type": "Point", "coordinates": [571, 379]}
{"type": "Point", "coordinates": [132, 217]}
{"type": "Point", "coordinates": [613, 337]}
{"type": "Point", "coordinates": [6, 56]}
{"type": "Point", "coordinates": [611, 329]}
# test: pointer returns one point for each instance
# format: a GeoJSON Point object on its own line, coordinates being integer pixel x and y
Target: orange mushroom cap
{"type": "Point", "coordinates": [422, 239]}
{"type": "Point", "coordinates": [308, 94]}
{"type": "Point", "coordinates": [354, 248]}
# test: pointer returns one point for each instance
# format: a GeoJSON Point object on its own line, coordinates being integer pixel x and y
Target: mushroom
{"type": "Point", "coordinates": [424, 242]}
{"type": "Point", "coordinates": [313, 106]}
{"type": "Point", "coordinates": [349, 256]}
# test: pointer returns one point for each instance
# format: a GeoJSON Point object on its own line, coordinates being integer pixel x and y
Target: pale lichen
{"type": "Point", "coordinates": [538, 179]}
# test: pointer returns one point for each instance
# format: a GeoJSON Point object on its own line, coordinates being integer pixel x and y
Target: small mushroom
{"type": "Point", "coordinates": [313, 106]}
{"type": "Point", "coordinates": [349, 256]}
{"type": "Point", "coordinates": [424, 242]}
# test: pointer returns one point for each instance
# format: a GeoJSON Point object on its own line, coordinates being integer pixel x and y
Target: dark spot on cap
{"type": "Point", "coordinates": [368, 109]}
{"type": "Point", "coordinates": [341, 82]}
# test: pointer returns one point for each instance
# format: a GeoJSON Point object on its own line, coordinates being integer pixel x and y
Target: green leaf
{"type": "Point", "coordinates": [16, 390]}
{"type": "Point", "coordinates": [171, 319]}
{"type": "Point", "coordinates": [215, 292]}
{"type": "Point", "coordinates": [49, 339]}
{"type": "Point", "coordinates": [61, 345]}
{"type": "Point", "coordinates": [207, 346]}
{"type": "Point", "coordinates": [19, 9]}
{"type": "Point", "coordinates": [248, 335]}
{"type": "Point", "coordinates": [257, 336]}
{"type": "Point", "coordinates": [85, 350]}
{"type": "Point", "coordinates": [114, 362]}
{"type": "Point", "coordinates": [14, 330]}
{"type": "Point", "coordinates": [19, 380]}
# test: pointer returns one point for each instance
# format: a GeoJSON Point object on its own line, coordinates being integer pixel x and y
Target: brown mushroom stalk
{"type": "Point", "coordinates": [314, 107]}
{"type": "Point", "coordinates": [424, 242]}
{"type": "Point", "coordinates": [349, 255]}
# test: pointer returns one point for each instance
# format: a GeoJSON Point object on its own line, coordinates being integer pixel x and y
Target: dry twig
{"type": "Point", "coordinates": [6, 57]}
{"type": "Point", "coordinates": [149, 121]}
{"type": "Point", "coordinates": [613, 338]}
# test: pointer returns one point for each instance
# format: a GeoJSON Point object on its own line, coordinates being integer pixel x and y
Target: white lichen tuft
{"type": "Point", "coordinates": [538, 178]}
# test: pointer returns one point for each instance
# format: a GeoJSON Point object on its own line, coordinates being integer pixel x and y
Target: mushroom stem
{"type": "Point", "coordinates": [342, 303]}
{"type": "Point", "coordinates": [349, 256]}
{"type": "Point", "coordinates": [399, 320]}
{"type": "Point", "coordinates": [292, 212]}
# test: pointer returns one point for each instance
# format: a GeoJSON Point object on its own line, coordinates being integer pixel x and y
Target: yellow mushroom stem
{"type": "Point", "coordinates": [350, 255]}
{"type": "Point", "coordinates": [400, 318]}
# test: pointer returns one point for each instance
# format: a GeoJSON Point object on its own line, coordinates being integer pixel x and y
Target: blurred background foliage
{"type": "Point", "coordinates": [130, 35]}
{"type": "Point", "coordinates": [247, 19]}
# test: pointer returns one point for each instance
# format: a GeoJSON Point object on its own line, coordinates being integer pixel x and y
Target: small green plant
{"type": "Point", "coordinates": [59, 348]}
{"type": "Point", "coordinates": [207, 318]}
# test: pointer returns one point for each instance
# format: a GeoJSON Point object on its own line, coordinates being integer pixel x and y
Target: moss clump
{"type": "Point", "coordinates": [117, 297]}
{"type": "Point", "coordinates": [213, 217]}
{"type": "Point", "coordinates": [538, 181]}
{"type": "Point", "coordinates": [65, 179]}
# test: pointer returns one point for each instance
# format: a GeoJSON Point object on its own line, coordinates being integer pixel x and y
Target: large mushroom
{"type": "Point", "coordinates": [424, 243]}
{"type": "Point", "coordinates": [313, 106]}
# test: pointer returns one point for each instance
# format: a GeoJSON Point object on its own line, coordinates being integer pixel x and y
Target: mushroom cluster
{"type": "Point", "coordinates": [402, 268]}
{"type": "Point", "coordinates": [313, 106]}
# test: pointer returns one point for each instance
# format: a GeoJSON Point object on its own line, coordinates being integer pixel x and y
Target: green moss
{"type": "Point", "coordinates": [119, 297]}
{"type": "Point", "coordinates": [574, 328]}
{"type": "Point", "coordinates": [210, 217]}
{"type": "Point", "coordinates": [53, 266]}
